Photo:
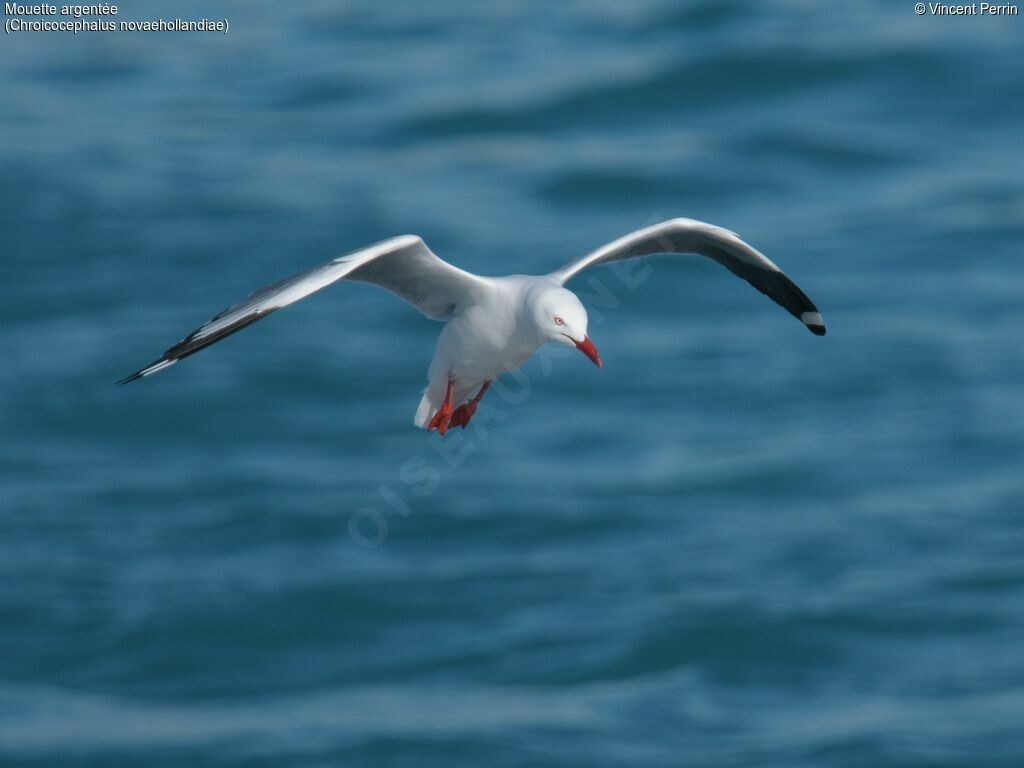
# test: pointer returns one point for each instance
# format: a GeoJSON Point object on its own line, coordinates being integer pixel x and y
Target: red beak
{"type": "Point", "coordinates": [587, 348]}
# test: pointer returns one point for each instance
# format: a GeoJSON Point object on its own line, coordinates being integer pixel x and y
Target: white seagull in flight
{"type": "Point", "coordinates": [494, 324]}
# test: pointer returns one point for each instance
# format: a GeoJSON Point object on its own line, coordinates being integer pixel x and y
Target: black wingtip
{"type": "Point", "coordinates": [156, 365]}
{"type": "Point", "coordinates": [812, 319]}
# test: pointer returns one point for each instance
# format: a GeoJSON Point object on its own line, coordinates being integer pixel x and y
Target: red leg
{"type": "Point", "coordinates": [465, 411]}
{"type": "Point", "coordinates": [444, 413]}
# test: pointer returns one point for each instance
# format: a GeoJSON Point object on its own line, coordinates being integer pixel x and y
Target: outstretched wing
{"type": "Point", "coordinates": [403, 265]}
{"type": "Point", "coordinates": [725, 247]}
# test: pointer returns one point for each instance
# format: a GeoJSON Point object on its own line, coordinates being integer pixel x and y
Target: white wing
{"type": "Point", "coordinates": [725, 247]}
{"type": "Point", "coordinates": [403, 265]}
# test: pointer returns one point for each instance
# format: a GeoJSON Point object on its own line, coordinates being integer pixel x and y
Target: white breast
{"type": "Point", "coordinates": [488, 338]}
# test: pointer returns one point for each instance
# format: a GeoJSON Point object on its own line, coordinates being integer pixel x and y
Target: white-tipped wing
{"type": "Point", "coordinates": [725, 247]}
{"type": "Point", "coordinates": [403, 265]}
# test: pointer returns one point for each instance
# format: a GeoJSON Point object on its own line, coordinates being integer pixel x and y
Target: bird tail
{"type": "Point", "coordinates": [426, 409]}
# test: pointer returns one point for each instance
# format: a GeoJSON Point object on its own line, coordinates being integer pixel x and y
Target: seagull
{"type": "Point", "coordinates": [493, 324]}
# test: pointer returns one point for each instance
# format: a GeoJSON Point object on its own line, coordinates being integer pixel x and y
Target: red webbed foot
{"type": "Point", "coordinates": [443, 416]}
{"type": "Point", "coordinates": [462, 415]}
{"type": "Point", "coordinates": [466, 411]}
{"type": "Point", "coordinates": [442, 419]}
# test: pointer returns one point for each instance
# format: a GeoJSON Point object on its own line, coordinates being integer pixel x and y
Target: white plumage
{"type": "Point", "coordinates": [493, 324]}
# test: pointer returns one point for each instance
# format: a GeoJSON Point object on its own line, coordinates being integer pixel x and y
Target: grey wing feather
{"type": "Point", "coordinates": [680, 236]}
{"type": "Point", "coordinates": [402, 265]}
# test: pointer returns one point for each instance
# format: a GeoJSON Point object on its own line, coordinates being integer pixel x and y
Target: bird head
{"type": "Point", "coordinates": [559, 316]}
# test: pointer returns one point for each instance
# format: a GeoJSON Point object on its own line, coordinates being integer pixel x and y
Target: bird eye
{"type": "Point", "coordinates": [559, 321]}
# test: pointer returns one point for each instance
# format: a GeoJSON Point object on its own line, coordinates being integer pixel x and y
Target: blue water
{"type": "Point", "coordinates": [736, 545]}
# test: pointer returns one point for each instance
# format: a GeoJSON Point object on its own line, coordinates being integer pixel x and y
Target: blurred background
{"type": "Point", "coordinates": [737, 544]}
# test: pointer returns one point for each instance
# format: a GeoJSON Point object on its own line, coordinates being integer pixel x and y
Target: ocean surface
{"type": "Point", "coordinates": [737, 544]}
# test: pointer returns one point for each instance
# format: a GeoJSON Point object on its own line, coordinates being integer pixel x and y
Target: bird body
{"type": "Point", "coordinates": [497, 332]}
{"type": "Point", "coordinates": [493, 324]}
